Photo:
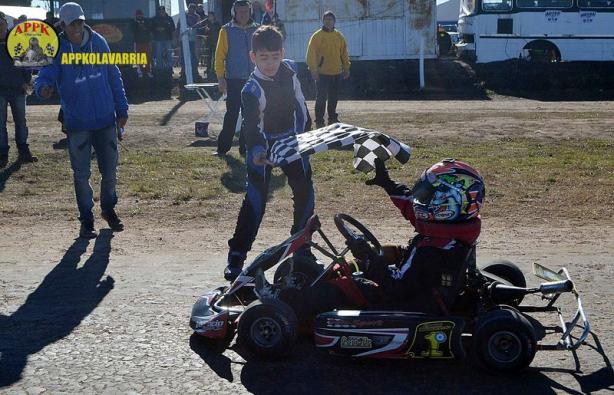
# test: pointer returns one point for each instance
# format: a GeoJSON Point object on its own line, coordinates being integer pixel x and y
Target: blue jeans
{"type": "Point", "coordinates": [162, 54]}
{"type": "Point", "coordinates": [80, 143]}
{"type": "Point", "coordinates": [18, 108]}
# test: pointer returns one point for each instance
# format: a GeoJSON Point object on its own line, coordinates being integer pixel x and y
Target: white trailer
{"type": "Point", "coordinates": [374, 29]}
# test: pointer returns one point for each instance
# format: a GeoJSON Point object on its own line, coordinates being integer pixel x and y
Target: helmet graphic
{"type": "Point", "coordinates": [449, 191]}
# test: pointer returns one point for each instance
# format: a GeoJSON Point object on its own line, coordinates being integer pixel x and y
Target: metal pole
{"type": "Point", "coordinates": [421, 62]}
{"type": "Point", "coordinates": [185, 45]}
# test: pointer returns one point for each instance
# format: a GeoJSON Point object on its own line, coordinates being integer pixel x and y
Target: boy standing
{"type": "Point", "coordinates": [273, 107]}
{"type": "Point", "coordinates": [13, 83]}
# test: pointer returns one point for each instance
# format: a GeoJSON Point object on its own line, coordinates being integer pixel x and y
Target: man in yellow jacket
{"type": "Point", "coordinates": [328, 61]}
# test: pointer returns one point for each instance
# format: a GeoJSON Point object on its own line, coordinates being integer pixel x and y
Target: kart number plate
{"type": "Point", "coordinates": [355, 342]}
{"type": "Point", "coordinates": [547, 274]}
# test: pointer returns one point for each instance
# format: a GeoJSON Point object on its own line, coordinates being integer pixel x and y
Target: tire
{"type": "Point", "coordinates": [267, 328]}
{"type": "Point", "coordinates": [504, 341]}
{"type": "Point", "coordinates": [305, 271]}
{"type": "Point", "coordinates": [509, 272]}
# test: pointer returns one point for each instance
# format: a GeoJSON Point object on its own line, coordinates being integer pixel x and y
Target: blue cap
{"type": "Point", "coordinates": [70, 12]}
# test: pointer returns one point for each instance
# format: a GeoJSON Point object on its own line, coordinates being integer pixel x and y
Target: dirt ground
{"type": "Point", "coordinates": [111, 315]}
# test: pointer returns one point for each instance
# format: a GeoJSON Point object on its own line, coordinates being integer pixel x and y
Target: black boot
{"type": "Point", "coordinates": [235, 265]}
{"type": "Point", "coordinates": [25, 156]}
{"type": "Point", "coordinates": [87, 229]}
{"type": "Point", "coordinates": [113, 220]}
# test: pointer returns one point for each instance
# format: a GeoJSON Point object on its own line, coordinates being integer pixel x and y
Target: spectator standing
{"type": "Point", "coordinates": [271, 17]}
{"type": "Point", "coordinates": [21, 18]}
{"type": "Point", "coordinates": [13, 85]}
{"type": "Point", "coordinates": [52, 21]}
{"type": "Point", "coordinates": [201, 11]}
{"type": "Point", "coordinates": [212, 32]}
{"type": "Point", "coordinates": [328, 62]}
{"type": "Point", "coordinates": [192, 19]}
{"type": "Point", "coordinates": [94, 104]}
{"type": "Point", "coordinates": [200, 33]}
{"type": "Point", "coordinates": [232, 67]}
{"type": "Point", "coordinates": [257, 11]}
{"type": "Point", "coordinates": [163, 30]}
{"type": "Point", "coordinates": [142, 41]}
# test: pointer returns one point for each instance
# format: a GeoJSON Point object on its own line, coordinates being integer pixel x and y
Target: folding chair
{"type": "Point", "coordinates": [201, 126]}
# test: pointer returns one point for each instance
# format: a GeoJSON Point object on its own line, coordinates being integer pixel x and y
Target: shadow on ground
{"type": "Point", "coordinates": [234, 179]}
{"type": "Point", "coordinates": [7, 172]}
{"type": "Point", "coordinates": [307, 370]}
{"type": "Point", "coordinates": [63, 299]}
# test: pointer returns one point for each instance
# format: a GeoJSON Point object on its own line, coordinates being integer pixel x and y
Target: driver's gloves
{"type": "Point", "coordinates": [361, 251]}
{"type": "Point", "coordinates": [382, 178]}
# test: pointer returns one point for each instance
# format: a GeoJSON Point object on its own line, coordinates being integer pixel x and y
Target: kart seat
{"type": "Point", "coordinates": [447, 293]}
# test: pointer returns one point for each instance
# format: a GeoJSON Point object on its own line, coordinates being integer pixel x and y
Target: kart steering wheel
{"type": "Point", "coordinates": [342, 221]}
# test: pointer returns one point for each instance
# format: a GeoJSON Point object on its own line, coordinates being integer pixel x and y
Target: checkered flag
{"type": "Point", "coordinates": [50, 48]}
{"type": "Point", "coordinates": [17, 49]}
{"type": "Point", "coordinates": [368, 145]}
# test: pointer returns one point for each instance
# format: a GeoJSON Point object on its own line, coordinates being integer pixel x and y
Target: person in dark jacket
{"type": "Point", "coordinates": [13, 87]}
{"type": "Point", "coordinates": [94, 104]}
{"type": "Point", "coordinates": [142, 40]}
{"type": "Point", "coordinates": [212, 32]}
{"type": "Point", "coordinates": [163, 31]}
{"type": "Point", "coordinates": [273, 107]}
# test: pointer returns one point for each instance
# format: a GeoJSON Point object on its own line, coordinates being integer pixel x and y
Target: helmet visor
{"type": "Point", "coordinates": [423, 191]}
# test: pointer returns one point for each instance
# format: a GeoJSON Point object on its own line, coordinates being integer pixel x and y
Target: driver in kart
{"type": "Point", "coordinates": [427, 274]}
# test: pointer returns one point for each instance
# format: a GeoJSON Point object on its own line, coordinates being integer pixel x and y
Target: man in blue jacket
{"type": "Point", "coordinates": [13, 83]}
{"type": "Point", "coordinates": [94, 102]}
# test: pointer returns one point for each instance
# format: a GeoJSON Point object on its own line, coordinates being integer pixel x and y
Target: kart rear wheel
{"type": "Point", "coordinates": [267, 328]}
{"type": "Point", "coordinates": [509, 272]}
{"type": "Point", "coordinates": [304, 271]}
{"type": "Point", "coordinates": [504, 341]}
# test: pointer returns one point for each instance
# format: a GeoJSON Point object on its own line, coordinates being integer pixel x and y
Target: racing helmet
{"type": "Point", "coordinates": [448, 191]}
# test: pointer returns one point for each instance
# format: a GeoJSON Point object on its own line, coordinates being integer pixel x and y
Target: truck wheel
{"type": "Point", "coordinates": [267, 328]}
{"type": "Point", "coordinates": [504, 341]}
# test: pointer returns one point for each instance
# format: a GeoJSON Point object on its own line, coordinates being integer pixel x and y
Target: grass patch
{"type": "Point", "coordinates": [526, 179]}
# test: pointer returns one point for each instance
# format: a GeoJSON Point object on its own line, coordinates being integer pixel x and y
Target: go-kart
{"type": "Point", "coordinates": [487, 319]}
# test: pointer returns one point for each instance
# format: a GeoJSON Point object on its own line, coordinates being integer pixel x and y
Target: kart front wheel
{"type": "Point", "coordinates": [504, 341]}
{"type": "Point", "coordinates": [267, 328]}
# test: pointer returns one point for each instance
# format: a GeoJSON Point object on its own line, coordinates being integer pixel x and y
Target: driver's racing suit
{"type": "Point", "coordinates": [424, 276]}
{"type": "Point", "coordinates": [427, 274]}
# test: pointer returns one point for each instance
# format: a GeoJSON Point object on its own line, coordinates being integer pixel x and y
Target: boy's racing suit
{"type": "Point", "coordinates": [272, 108]}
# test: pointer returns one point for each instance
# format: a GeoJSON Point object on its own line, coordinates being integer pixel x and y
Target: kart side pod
{"type": "Point", "coordinates": [389, 334]}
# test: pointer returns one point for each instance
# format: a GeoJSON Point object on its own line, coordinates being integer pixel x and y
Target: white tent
{"type": "Point", "coordinates": [13, 12]}
{"type": "Point", "coordinates": [448, 11]}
